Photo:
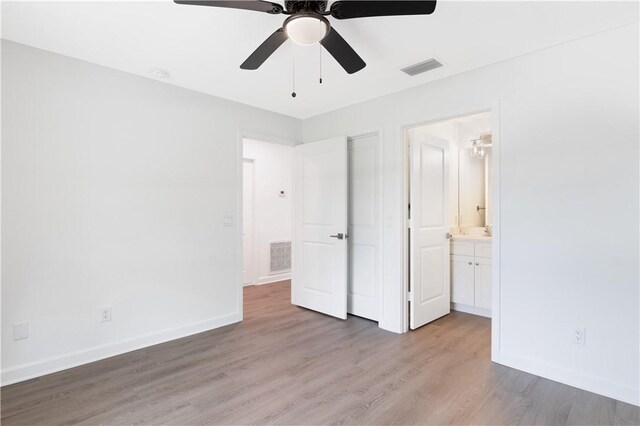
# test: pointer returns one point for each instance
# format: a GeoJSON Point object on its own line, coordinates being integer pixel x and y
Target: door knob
{"type": "Point", "coordinates": [470, 263]}
{"type": "Point", "coordinates": [339, 236]}
{"type": "Point", "coordinates": [477, 263]}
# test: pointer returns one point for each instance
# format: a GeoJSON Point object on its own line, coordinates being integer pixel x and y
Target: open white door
{"type": "Point", "coordinates": [429, 271]}
{"type": "Point", "coordinates": [319, 272]}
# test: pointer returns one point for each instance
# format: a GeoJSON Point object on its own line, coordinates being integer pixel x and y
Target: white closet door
{"type": "Point", "coordinates": [364, 221]}
{"type": "Point", "coordinates": [319, 273]}
{"type": "Point", "coordinates": [429, 278]}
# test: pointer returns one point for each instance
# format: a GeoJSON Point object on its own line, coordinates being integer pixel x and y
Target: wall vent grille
{"type": "Point", "coordinates": [280, 256]}
{"type": "Point", "coordinates": [421, 67]}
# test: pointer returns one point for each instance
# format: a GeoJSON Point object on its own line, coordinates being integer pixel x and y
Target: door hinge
{"type": "Point", "coordinates": [410, 296]}
{"type": "Point", "coordinates": [409, 223]}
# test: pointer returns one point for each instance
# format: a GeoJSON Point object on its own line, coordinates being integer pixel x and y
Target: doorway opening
{"type": "Point", "coordinates": [317, 207]}
{"type": "Point", "coordinates": [267, 180]}
{"type": "Point", "coordinates": [449, 256]}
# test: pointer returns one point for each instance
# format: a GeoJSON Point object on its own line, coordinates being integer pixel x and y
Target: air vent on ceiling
{"type": "Point", "coordinates": [421, 67]}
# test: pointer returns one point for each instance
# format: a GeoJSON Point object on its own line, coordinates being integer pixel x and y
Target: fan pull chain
{"type": "Point", "coordinates": [320, 55]}
{"type": "Point", "coordinates": [293, 94]}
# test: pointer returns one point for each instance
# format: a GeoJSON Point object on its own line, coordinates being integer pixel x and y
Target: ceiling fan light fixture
{"type": "Point", "coordinates": [306, 29]}
{"type": "Point", "coordinates": [307, 25]}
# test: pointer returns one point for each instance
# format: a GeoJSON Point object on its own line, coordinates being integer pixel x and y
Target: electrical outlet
{"type": "Point", "coordinates": [105, 314]}
{"type": "Point", "coordinates": [579, 336]}
{"type": "Point", "coordinates": [20, 331]}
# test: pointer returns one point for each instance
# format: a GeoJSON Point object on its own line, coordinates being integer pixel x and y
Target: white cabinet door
{"type": "Point", "coordinates": [364, 244]}
{"type": "Point", "coordinates": [429, 246]}
{"type": "Point", "coordinates": [319, 272]}
{"type": "Point", "coordinates": [483, 283]}
{"type": "Point", "coordinates": [462, 280]}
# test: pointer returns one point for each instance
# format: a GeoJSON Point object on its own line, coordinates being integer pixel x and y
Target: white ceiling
{"type": "Point", "coordinates": [202, 47]}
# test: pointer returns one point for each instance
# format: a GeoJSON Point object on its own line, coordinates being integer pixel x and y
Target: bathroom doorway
{"type": "Point", "coordinates": [450, 228]}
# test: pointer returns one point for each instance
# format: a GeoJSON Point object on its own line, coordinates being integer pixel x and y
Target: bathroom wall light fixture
{"type": "Point", "coordinates": [480, 147]}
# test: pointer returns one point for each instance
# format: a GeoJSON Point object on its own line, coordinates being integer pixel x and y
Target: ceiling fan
{"type": "Point", "coordinates": [307, 25]}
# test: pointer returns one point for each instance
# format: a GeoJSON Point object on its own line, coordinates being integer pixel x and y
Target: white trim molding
{"type": "Point", "coordinates": [270, 279]}
{"type": "Point", "coordinates": [24, 372]}
{"type": "Point", "coordinates": [573, 378]}
{"type": "Point", "coordinates": [471, 310]}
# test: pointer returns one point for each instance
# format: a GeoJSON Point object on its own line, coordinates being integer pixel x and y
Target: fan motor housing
{"type": "Point", "coordinates": [296, 6]}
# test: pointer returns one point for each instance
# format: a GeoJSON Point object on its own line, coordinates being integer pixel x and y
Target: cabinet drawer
{"type": "Point", "coordinates": [483, 250]}
{"type": "Point", "coordinates": [462, 248]}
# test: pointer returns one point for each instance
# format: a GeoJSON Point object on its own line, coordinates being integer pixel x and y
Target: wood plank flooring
{"type": "Point", "coordinates": [287, 365]}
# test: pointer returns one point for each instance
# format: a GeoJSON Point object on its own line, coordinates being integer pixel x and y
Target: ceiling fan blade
{"type": "Point", "coordinates": [342, 52]}
{"type": "Point", "coordinates": [256, 5]}
{"type": "Point", "coordinates": [265, 50]}
{"type": "Point", "coordinates": [363, 9]}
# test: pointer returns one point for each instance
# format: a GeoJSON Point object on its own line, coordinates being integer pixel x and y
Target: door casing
{"type": "Point", "coordinates": [249, 238]}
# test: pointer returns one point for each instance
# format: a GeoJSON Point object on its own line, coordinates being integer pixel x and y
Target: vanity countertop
{"type": "Point", "coordinates": [474, 238]}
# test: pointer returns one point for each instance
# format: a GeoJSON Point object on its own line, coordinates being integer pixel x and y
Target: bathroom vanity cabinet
{"type": "Point", "coordinates": [471, 275]}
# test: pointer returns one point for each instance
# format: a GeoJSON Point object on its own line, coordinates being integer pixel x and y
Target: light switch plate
{"type": "Point", "coordinates": [227, 221]}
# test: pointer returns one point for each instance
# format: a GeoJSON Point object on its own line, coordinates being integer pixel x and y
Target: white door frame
{"type": "Point", "coordinates": [242, 135]}
{"type": "Point", "coordinates": [494, 108]}
{"type": "Point", "coordinates": [252, 253]}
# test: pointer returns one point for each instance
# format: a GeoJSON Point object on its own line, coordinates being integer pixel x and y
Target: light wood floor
{"type": "Point", "coordinates": [287, 365]}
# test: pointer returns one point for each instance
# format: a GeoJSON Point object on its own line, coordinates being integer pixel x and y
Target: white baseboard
{"type": "Point", "coordinates": [273, 278]}
{"type": "Point", "coordinates": [24, 372]}
{"type": "Point", "coordinates": [571, 377]}
{"type": "Point", "coordinates": [471, 310]}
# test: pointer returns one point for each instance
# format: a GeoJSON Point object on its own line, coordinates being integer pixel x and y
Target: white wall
{"type": "Point", "coordinates": [114, 189]}
{"type": "Point", "coordinates": [272, 218]}
{"type": "Point", "coordinates": [568, 221]}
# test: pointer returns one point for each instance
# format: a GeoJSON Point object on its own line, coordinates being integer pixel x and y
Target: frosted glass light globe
{"type": "Point", "coordinates": [306, 30]}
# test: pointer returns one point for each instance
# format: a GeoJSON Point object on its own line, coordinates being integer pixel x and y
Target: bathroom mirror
{"type": "Point", "coordinates": [474, 178]}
